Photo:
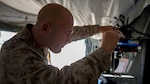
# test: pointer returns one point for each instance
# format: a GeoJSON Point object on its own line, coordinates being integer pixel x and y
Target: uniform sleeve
{"type": "Point", "coordinates": [88, 69]}
{"type": "Point", "coordinates": [84, 71]}
{"type": "Point", "coordinates": [81, 32]}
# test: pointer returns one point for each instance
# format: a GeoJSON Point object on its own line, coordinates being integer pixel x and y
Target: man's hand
{"type": "Point", "coordinates": [110, 39]}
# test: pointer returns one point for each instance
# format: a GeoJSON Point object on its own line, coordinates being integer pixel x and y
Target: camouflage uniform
{"type": "Point", "coordinates": [22, 62]}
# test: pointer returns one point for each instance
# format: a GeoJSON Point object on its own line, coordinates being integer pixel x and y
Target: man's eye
{"type": "Point", "coordinates": [68, 34]}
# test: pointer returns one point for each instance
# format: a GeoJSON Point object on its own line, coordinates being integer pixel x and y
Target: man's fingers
{"type": "Point", "coordinates": [121, 34]}
{"type": "Point", "coordinates": [115, 28]}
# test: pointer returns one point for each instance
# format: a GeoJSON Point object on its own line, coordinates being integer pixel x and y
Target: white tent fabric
{"type": "Point", "coordinates": [27, 6]}
{"type": "Point", "coordinates": [85, 12]}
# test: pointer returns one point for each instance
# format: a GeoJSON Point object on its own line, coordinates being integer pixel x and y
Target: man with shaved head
{"type": "Point", "coordinates": [23, 58]}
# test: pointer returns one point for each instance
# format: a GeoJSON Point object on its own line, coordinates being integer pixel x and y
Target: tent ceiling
{"type": "Point", "coordinates": [14, 16]}
{"type": "Point", "coordinates": [85, 12]}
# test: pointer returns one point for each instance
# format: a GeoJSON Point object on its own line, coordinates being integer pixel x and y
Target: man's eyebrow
{"type": "Point", "coordinates": [69, 31]}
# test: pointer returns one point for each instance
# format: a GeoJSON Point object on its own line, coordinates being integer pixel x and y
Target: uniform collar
{"type": "Point", "coordinates": [26, 35]}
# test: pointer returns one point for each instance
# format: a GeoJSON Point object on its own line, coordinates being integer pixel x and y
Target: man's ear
{"type": "Point", "coordinates": [45, 27]}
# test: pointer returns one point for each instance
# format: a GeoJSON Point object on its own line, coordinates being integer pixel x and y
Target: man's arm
{"type": "Point", "coordinates": [81, 32]}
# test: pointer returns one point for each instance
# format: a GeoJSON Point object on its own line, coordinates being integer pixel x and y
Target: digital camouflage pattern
{"type": "Point", "coordinates": [22, 62]}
